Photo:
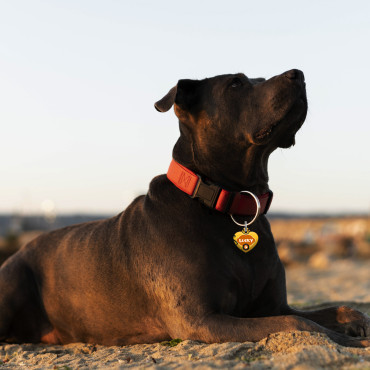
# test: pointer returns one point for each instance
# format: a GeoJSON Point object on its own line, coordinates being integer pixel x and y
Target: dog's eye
{"type": "Point", "coordinates": [236, 82]}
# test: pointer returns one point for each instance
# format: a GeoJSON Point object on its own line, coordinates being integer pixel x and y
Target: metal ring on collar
{"type": "Point", "coordinates": [257, 213]}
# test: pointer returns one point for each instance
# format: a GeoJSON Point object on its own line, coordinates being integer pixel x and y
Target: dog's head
{"type": "Point", "coordinates": [230, 115]}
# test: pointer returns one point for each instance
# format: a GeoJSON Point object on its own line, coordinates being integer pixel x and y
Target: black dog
{"type": "Point", "coordinates": [167, 267]}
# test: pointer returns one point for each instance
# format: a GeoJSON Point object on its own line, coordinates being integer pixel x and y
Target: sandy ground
{"type": "Point", "coordinates": [345, 281]}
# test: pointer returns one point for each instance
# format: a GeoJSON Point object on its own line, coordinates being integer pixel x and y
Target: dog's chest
{"type": "Point", "coordinates": [239, 278]}
{"type": "Point", "coordinates": [219, 274]}
{"type": "Point", "coordinates": [246, 283]}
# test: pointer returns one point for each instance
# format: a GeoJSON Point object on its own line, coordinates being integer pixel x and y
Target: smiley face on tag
{"type": "Point", "coordinates": [245, 241]}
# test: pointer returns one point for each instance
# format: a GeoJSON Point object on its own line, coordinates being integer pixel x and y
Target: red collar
{"type": "Point", "coordinates": [214, 196]}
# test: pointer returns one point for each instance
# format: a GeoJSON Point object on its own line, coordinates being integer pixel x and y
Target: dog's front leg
{"type": "Point", "coordinates": [224, 328]}
{"type": "Point", "coordinates": [340, 319]}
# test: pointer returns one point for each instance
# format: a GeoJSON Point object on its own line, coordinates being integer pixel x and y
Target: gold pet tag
{"type": "Point", "coordinates": [245, 240]}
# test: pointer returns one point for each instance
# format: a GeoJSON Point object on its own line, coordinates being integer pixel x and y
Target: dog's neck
{"type": "Point", "coordinates": [242, 172]}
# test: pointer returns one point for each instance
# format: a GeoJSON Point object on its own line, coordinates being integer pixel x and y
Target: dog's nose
{"type": "Point", "coordinates": [295, 74]}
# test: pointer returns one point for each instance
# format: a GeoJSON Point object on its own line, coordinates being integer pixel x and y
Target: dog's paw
{"type": "Point", "coordinates": [349, 341]}
{"type": "Point", "coordinates": [357, 342]}
{"type": "Point", "coordinates": [353, 322]}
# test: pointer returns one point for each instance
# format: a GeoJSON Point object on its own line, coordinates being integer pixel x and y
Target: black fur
{"type": "Point", "coordinates": [167, 266]}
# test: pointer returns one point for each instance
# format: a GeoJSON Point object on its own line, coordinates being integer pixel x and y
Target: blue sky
{"type": "Point", "coordinates": [78, 80]}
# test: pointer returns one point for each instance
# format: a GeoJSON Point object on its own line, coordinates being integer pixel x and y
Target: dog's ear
{"type": "Point", "coordinates": [187, 94]}
{"type": "Point", "coordinates": [167, 101]}
{"type": "Point", "coordinates": [183, 94]}
{"type": "Point", "coordinates": [257, 80]}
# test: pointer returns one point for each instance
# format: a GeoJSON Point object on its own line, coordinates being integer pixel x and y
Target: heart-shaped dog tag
{"type": "Point", "coordinates": [245, 240]}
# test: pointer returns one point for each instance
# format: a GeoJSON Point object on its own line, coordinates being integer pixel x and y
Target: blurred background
{"type": "Point", "coordinates": [80, 137]}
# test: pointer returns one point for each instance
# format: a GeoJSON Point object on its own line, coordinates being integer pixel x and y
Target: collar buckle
{"type": "Point", "coordinates": [207, 193]}
{"type": "Point", "coordinates": [194, 195]}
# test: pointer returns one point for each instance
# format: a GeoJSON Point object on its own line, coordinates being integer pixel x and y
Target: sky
{"type": "Point", "coordinates": [78, 80]}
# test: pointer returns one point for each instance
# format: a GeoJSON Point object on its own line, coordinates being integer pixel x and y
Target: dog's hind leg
{"type": "Point", "coordinates": [22, 318]}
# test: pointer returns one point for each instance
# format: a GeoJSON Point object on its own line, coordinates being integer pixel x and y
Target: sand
{"type": "Point", "coordinates": [346, 281]}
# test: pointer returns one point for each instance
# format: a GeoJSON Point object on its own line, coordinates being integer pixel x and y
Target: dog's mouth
{"type": "Point", "coordinates": [266, 132]}
{"type": "Point", "coordinates": [286, 128]}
